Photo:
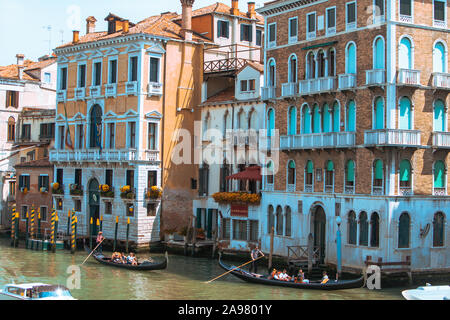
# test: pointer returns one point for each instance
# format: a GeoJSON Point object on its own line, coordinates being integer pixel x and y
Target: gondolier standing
{"type": "Point", "coordinates": [100, 238]}
{"type": "Point", "coordinates": [255, 254]}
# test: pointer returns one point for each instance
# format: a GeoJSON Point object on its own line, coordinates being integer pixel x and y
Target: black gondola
{"type": "Point", "coordinates": [330, 285]}
{"type": "Point", "coordinates": [146, 265]}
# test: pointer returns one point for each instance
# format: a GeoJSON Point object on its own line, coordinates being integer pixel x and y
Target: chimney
{"type": "Point", "coordinates": [186, 23]}
{"type": "Point", "coordinates": [126, 26]}
{"type": "Point", "coordinates": [235, 7]}
{"type": "Point", "coordinates": [90, 24]}
{"type": "Point", "coordinates": [251, 13]}
{"type": "Point", "coordinates": [20, 58]}
{"type": "Point", "coordinates": [76, 36]}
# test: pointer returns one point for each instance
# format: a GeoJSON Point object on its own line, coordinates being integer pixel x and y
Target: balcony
{"type": "Point", "coordinates": [375, 77]}
{"type": "Point", "coordinates": [406, 18]}
{"type": "Point", "coordinates": [346, 81]}
{"type": "Point", "coordinates": [61, 95]}
{"type": "Point", "coordinates": [441, 80]}
{"type": "Point", "coordinates": [409, 77]}
{"type": "Point", "coordinates": [290, 187]}
{"type": "Point", "coordinates": [131, 88]}
{"type": "Point", "coordinates": [317, 85]}
{"type": "Point", "coordinates": [318, 141]}
{"type": "Point", "coordinates": [95, 91]}
{"type": "Point", "coordinates": [110, 90]}
{"type": "Point", "coordinates": [267, 93]}
{"type": "Point", "coordinates": [154, 89]}
{"type": "Point", "coordinates": [79, 93]}
{"type": "Point", "coordinates": [441, 140]}
{"type": "Point", "coordinates": [392, 138]}
{"type": "Point", "coordinates": [76, 190]}
{"type": "Point", "coordinates": [439, 192]}
{"type": "Point", "coordinates": [94, 155]}
{"type": "Point", "coordinates": [289, 89]}
{"type": "Point", "coordinates": [107, 192]}
{"type": "Point", "coordinates": [406, 191]}
{"type": "Point", "coordinates": [242, 138]}
{"type": "Point", "coordinates": [439, 24]}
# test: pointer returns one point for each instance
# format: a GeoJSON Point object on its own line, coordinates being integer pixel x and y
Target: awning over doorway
{"type": "Point", "coordinates": [250, 173]}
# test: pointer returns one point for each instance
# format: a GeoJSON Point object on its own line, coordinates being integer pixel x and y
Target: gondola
{"type": "Point", "coordinates": [146, 265]}
{"type": "Point", "coordinates": [330, 285]}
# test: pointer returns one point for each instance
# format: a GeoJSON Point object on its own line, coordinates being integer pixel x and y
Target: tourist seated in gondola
{"type": "Point", "coordinates": [324, 278]}
{"type": "Point", "coordinates": [301, 277]}
{"type": "Point", "coordinates": [131, 259]}
{"type": "Point", "coordinates": [284, 276]}
{"type": "Point", "coordinates": [115, 257]}
{"type": "Point", "coordinates": [272, 274]}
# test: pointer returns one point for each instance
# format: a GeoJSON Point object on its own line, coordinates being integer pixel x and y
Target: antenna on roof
{"type": "Point", "coordinates": [49, 29]}
{"type": "Point", "coordinates": [62, 36]}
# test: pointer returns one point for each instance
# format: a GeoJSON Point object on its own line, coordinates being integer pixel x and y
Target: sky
{"type": "Point", "coordinates": [34, 27]}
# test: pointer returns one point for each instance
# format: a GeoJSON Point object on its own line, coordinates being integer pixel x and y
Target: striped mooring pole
{"type": "Point", "coordinates": [128, 232]}
{"type": "Point", "coordinates": [115, 233]}
{"type": "Point", "coordinates": [13, 226]}
{"type": "Point", "coordinates": [27, 219]}
{"type": "Point", "coordinates": [32, 227]}
{"type": "Point", "coordinates": [68, 222]}
{"type": "Point", "coordinates": [101, 223]}
{"type": "Point", "coordinates": [97, 228]}
{"type": "Point", "coordinates": [52, 238]}
{"type": "Point", "coordinates": [91, 231]}
{"type": "Point", "coordinates": [72, 240]}
{"type": "Point", "coordinates": [16, 233]}
{"type": "Point", "coordinates": [39, 223]}
{"type": "Point", "coordinates": [56, 227]}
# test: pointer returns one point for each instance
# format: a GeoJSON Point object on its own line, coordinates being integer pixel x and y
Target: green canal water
{"type": "Point", "coordinates": [184, 278]}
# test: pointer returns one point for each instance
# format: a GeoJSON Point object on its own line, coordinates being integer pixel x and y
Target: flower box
{"type": "Point", "coordinates": [237, 198]}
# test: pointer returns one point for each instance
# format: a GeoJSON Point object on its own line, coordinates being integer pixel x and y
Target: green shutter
{"type": "Point", "coordinates": [439, 177]}
{"type": "Point", "coordinates": [291, 164]}
{"type": "Point", "coordinates": [209, 224]}
{"type": "Point", "coordinates": [379, 169]}
{"type": "Point", "coordinates": [330, 165]}
{"type": "Point", "coordinates": [199, 218]}
{"type": "Point", "coordinates": [336, 118]}
{"type": "Point", "coordinates": [309, 167]}
{"type": "Point", "coordinates": [316, 120]}
{"type": "Point", "coordinates": [405, 170]}
{"type": "Point", "coordinates": [350, 170]}
{"type": "Point", "coordinates": [326, 119]}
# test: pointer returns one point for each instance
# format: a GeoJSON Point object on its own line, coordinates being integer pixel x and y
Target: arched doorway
{"type": "Point", "coordinates": [94, 205]}
{"type": "Point", "coordinates": [318, 225]}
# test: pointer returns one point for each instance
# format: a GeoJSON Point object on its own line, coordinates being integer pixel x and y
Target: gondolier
{"type": "Point", "coordinates": [99, 241]}
{"type": "Point", "coordinates": [255, 254]}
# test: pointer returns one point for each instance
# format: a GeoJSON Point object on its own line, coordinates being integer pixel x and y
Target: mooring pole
{"type": "Point", "coordinates": [32, 225]}
{"type": "Point", "coordinates": [56, 227]}
{"type": "Point", "coordinates": [16, 234]}
{"type": "Point", "coordinates": [27, 218]}
{"type": "Point", "coordinates": [13, 226]}
{"type": "Point", "coordinates": [68, 222]}
{"type": "Point", "coordinates": [72, 242]}
{"type": "Point", "coordinates": [91, 231]}
{"type": "Point", "coordinates": [39, 223]}
{"type": "Point", "coordinates": [271, 249]}
{"type": "Point", "coordinates": [115, 233]}
{"type": "Point", "coordinates": [101, 223]}
{"type": "Point", "coordinates": [52, 238]}
{"type": "Point", "coordinates": [128, 232]}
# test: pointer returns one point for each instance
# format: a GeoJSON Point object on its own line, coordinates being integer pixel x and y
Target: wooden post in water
{"type": "Point", "coordinates": [91, 231]}
{"type": "Point", "coordinates": [52, 237]}
{"type": "Point", "coordinates": [101, 223]}
{"type": "Point", "coordinates": [39, 223]}
{"type": "Point", "coordinates": [115, 233]}
{"type": "Point", "coordinates": [27, 218]}
{"type": "Point", "coordinates": [56, 227]}
{"type": "Point", "coordinates": [310, 252]}
{"type": "Point", "coordinates": [128, 232]}
{"type": "Point", "coordinates": [271, 249]}
{"type": "Point", "coordinates": [68, 222]}
{"type": "Point", "coordinates": [32, 226]}
{"type": "Point", "coordinates": [13, 226]}
{"type": "Point", "coordinates": [194, 239]}
{"type": "Point", "coordinates": [16, 233]}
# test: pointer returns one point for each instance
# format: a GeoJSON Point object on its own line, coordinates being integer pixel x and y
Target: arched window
{"type": "Point", "coordinates": [329, 176]}
{"type": "Point", "coordinates": [327, 119]}
{"type": "Point", "coordinates": [404, 226]}
{"type": "Point", "coordinates": [439, 177]}
{"type": "Point", "coordinates": [271, 73]}
{"type": "Point", "coordinates": [378, 175]}
{"type": "Point", "coordinates": [11, 129]}
{"type": "Point", "coordinates": [405, 174]}
{"type": "Point", "coordinates": [242, 120]}
{"type": "Point", "coordinates": [439, 116]}
{"type": "Point", "coordinates": [351, 116]}
{"type": "Point", "coordinates": [439, 61]}
{"type": "Point", "coordinates": [379, 114]}
{"type": "Point", "coordinates": [352, 227]}
{"type": "Point", "coordinates": [270, 122]}
{"type": "Point", "coordinates": [306, 119]}
{"type": "Point", "coordinates": [405, 54]}
{"type": "Point", "coordinates": [363, 229]}
{"type": "Point", "coordinates": [288, 223]}
{"type": "Point", "coordinates": [331, 63]}
{"type": "Point", "coordinates": [292, 68]}
{"type": "Point", "coordinates": [206, 125]}
{"type": "Point", "coordinates": [252, 120]}
{"type": "Point", "coordinates": [270, 219]}
{"type": "Point", "coordinates": [310, 66]}
{"type": "Point", "coordinates": [225, 122]}
{"type": "Point", "coordinates": [378, 53]}
{"type": "Point", "coordinates": [350, 174]}
{"type": "Point", "coordinates": [374, 230]}
{"type": "Point", "coordinates": [292, 121]}
{"type": "Point", "coordinates": [96, 127]}
{"type": "Point", "coordinates": [309, 171]}
{"type": "Point", "coordinates": [350, 58]}
{"type": "Point", "coordinates": [321, 67]}
{"type": "Point", "coordinates": [316, 119]}
{"type": "Point", "coordinates": [404, 119]}
{"type": "Point", "coordinates": [438, 229]}
{"type": "Point", "coordinates": [279, 221]}
{"type": "Point", "coordinates": [270, 172]}
{"type": "Point", "coordinates": [336, 118]}
{"type": "Point", "coordinates": [291, 172]}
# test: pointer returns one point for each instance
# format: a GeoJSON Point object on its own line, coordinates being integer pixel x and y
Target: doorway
{"type": "Point", "coordinates": [94, 206]}
{"type": "Point", "coordinates": [319, 229]}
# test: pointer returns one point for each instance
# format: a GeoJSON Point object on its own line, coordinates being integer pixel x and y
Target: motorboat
{"type": "Point", "coordinates": [35, 291]}
{"type": "Point", "coordinates": [428, 292]}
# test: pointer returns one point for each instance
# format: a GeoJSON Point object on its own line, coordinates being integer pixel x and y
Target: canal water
{"type": "Point", "coordinates": [184, 278]}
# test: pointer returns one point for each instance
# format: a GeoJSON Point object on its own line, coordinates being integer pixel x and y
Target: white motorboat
{"type": "Point", "coordinates": [428, 292]}
{"type": "Point", "coordinates": [35, 291]}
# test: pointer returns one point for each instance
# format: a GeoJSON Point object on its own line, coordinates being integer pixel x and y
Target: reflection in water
{"type": "Point", "coordinates": [184, 278]}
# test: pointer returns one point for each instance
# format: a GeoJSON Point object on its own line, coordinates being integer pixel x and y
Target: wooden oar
{"type": "Point", "coordinates": [92, 251]}
{"type": "Point", "coordinates": [234, 269]}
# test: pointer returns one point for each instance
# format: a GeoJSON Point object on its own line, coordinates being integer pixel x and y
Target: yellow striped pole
{"type": "Point", "coordinates": [27, 228]}
{"type": "Point", "coordinates": [16, 233]}
{"type": "Point", "coordinates": [39, 223]}
{"type": "Point", "coordinates": [32, 223]}
{"type": "Point", "coordinates": [115, 233]}
{"type": "Point", "coordinates": [101, 223]}
{"type": "Point", "coordinates": [91, 231]}
{"type": "Point", "coordinates": [53, 220]}
{"type": "Point", "coordinates": [72, 246]}
{"type": "Point", "coordinates": [13, 226]}
{"type": "Point", "coordinates": [128, 232]}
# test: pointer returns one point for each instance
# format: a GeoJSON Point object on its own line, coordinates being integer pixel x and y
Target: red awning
{"type": "Point", "coordinates": [250, 173]}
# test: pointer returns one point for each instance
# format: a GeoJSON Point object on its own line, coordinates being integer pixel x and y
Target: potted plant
{"type": "Point", "coordinates": [154, 192]}
{"type": "Point", "coordinates": [200, 234]}
{"type": "Point", "coordinates": [106, 191]}
{"type": "Point", "coordinates": [126, 192]}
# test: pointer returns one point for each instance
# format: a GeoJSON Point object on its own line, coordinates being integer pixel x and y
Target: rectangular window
{"type": "Point", "coordinates": [111, 135]}
{"type": "Point", "coordinates": [80, 136]}
{"type": "Point", "coordinates": [43, 182]}
{"type": "Point", "coordinates": [258, 37]}
{"type": "Point", "coordinates": [113, 71]}
{"type": "Point", "coordinates": [108, 207]}
{"type": "Point", "coordinates": [203, 180]}
{"type": "Point", "coordinates": [133, 69]}
{"type": "Point", "coordinates": [78, 177]}
{"type": "Point", "coordinates": [351, 15]}
{"type": "Point", "coordinates": [23, 212]}
{"type": "Point", "coordinates": [12, 99]}
{"type": "Point", "coordinates": [239, 229]}
{"type": "Point", "coordinates": [59, 176]}
{"type": "Point", "coordinates": [81, 76]}
{"type": "Point", "coordinates": [151, 136]}
{"type": "Point", "coordinates": [406, 8]}
{"type": "Point", "coordinates": [43, 211]}
{"type": "Point", "coordinates": [246, 32]}
{"type": "Point", "coordinates": [223, 29]}
{"type": "Point", "coordinates": [63, 81]}
{"type": "Point", "coordinates": [47, 77]}
{"type": "Point", "coordinates": [253, 230]}
{"type": "Point", "coordinates": [26, 132]}
{"type": "Point", "coordinates": [311, 25]}
{"type": "Point", "coordinates": [151, 209]}
{"type": "Point", "coordinates": [24, 182]}
{"type": "Point", "coordinates": [251, 85]}
{"type": "Point", "coordinates": [61, 137]}
{"type": "Point", "coordinates": [59, 203]}
{"type": "Point", "coordinates": [293, 29]}
{"type": "Point", "coordinates": [130, 210]}
{"type": "Point", "coordinates": [130, 178]}
{"type": "Point", "coordinates": [77, 205]}
{"type": "Point", "coordinates": [132, 134]}
{"type": "Point", "coordinates": [12, 188]}
{"type": "Point", "coordinates": [379, 8]}
{"type": "Point", "coordinates": [109, 177]}
{"type": "Point", "coordinates": [152, 178]}
{"type": "Point", "coordinates": [97, 78]}
{"type": "Point", "coordinates": [272, 38]}
{"type": "Point", "coordinates": [31, 155]}
{"type": "Point", "coordinates": [243, 85]}
{"type": "Point", "coordinates": [331, 20]}
{"type": "Point", "coordinates": [47, 130]}
{"type": "Point", "coordinates": [439, 10]}
{"type": "Point", "coordinates": [154, 69]}
{"type": "Point", "coordinates": [226, 229]}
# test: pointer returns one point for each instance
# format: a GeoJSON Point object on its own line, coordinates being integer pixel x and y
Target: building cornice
{"type": "Point", "coordinates": [281, 6]}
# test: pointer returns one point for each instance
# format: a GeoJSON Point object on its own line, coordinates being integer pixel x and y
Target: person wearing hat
{"type": "Point", "coordinates": [99, 241]}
